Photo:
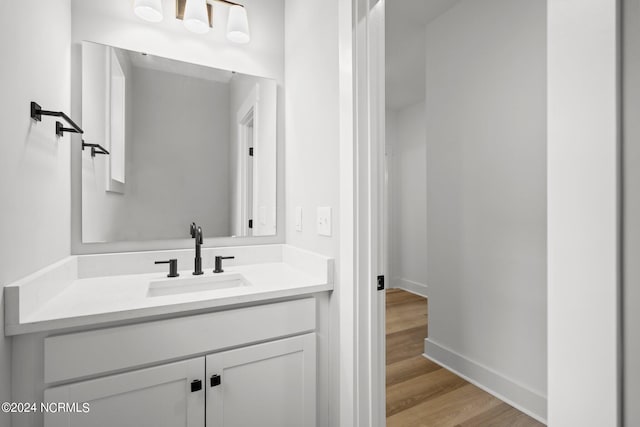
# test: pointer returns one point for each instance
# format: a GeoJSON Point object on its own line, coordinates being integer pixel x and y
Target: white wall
{"type": "Point", "coordinates": [113, 23]}
{"type": "Point", "coordinates": [312, 135]}
{"type": "Point", "coordinates": [486, 196]}
{"type": "Point", "coordinates": [631, 214]}
{"type": "Point", "coordinates": [583, 213]}
{"type": "Point", "coordinates": [34, 164]}
{"type": "Point", "coordinates": [407, 162]}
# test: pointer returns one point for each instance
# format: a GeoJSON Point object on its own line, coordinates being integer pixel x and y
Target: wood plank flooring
{"type": "Point", "coordinates": [420, 392]}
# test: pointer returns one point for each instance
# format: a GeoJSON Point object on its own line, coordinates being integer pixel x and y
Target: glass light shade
{"type": "Point", "coordinates": [149, 10]}
{"type": "Point", "coordinates": [196, 18]}
{"type": "Point", "coordinates": [238, 25]}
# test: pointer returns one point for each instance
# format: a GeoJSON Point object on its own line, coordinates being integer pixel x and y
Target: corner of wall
{"type": "Point", "coordinates": [34, 164]}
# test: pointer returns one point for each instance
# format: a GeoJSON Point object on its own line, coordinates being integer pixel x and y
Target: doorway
{"type": "Point", "coordinates": [466, 151]}
{"type": "Point", "coordinates": [246, 135]}
{"type": "Point", "coordinates": [246, 168]}
{"type": "Point", "coordinates": [583, 75]}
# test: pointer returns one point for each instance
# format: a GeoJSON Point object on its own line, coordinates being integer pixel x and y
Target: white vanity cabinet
{"type": "Point", "coordinates": [251, 366]}
{"type": "Point", "coordinates": [95, 329]}
{"type": "Point", "coordinates": [153, 397]}
{"type": "Point", "coordinates": [266, 385]}
{"type": "Point", "coordinates": [269, 385]}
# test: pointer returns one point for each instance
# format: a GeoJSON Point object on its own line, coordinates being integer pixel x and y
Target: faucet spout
{"type": "Point", "coordinates": [196, 233]}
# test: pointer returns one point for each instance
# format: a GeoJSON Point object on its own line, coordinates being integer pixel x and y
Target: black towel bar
{"type": "Point", "coordinates": [37, 112]}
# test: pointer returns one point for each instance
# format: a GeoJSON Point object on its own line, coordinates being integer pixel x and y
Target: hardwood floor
{"type": "Point", "coordinates": [420, 392]}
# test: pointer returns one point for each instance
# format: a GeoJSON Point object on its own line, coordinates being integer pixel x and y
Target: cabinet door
{"type": "Point", "coordinates": [266, 385]}
{"type": "Point", "coordinates": [153, 397]}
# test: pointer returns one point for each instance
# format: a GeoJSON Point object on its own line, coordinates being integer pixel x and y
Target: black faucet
{"type": "Point", "coordinates": [196, 233]}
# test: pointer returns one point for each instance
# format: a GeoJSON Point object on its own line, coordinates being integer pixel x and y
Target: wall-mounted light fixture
{"type": "Point", "coordinates": [149, 10]}
{"type": "Point", "coordinates": [197, 16]}
{"type": "Point", "coordinates": [238, 25]}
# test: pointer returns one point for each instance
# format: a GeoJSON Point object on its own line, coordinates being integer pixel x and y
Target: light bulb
{"type": "Point", "coordinates": [238, 25]}
{"type": "Point", "coordinates": [149, 10]}
{"type": "Point", "coordinates": [196, 18]}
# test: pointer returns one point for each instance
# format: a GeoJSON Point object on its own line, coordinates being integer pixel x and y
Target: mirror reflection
{"type": "Point", "coordinates": [186, 143]}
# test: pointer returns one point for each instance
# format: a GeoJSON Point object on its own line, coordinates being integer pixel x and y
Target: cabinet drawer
{"type": "Point", "coordinates": [106, 350]}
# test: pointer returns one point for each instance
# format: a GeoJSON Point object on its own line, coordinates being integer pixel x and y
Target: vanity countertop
{"type": "Point", "coordinates": [108, 299]}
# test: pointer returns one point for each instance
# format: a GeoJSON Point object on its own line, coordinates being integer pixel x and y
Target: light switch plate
{"type": "Point", "coordinates": [299, 218]}
{"type": "Point", "coordinates": [324, 221]}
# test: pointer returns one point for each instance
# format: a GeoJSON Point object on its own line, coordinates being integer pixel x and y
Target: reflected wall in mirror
{"type": "Point", "coordinates": [187, 143]}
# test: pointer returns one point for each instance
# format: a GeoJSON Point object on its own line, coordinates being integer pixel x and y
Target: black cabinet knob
{"type": "Point", "coordinates": [215, 380]}
{"type": "Point", "coordinates": [196, 385]}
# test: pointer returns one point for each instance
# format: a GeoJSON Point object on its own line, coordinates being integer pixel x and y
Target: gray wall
{"type": "Point", "coordinates": [631, 239]}
{"type": "Point", "coordinates": [177, 152]}
{"type": "Point", "coordinates": [34, 164]}
{"type": "Point", "coordinates": [406, 163]}
{"type": "Point", "coordinates": [486, 188]}
{"type": "Point", "coordinates": [178, 172]}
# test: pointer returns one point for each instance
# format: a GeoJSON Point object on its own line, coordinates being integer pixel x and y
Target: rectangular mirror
{"type": "Point", "coordinates": [186, 143]}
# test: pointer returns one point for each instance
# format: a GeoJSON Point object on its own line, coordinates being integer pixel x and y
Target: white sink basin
{"type": "Point", "coordinates": [185, 285]}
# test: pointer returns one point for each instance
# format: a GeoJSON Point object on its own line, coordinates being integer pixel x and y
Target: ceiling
{"type": "Point", "coordinates": [405, 48]}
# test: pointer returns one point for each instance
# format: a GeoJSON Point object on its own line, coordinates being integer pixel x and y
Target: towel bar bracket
{"type": "Point", "coordinates": [36, 112]}
{"type": "Point", "coordinates": [60, 129]}
{"type": "Point", "coordinates": [95, 148]}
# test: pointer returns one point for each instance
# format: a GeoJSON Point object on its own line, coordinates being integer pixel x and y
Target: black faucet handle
{"type": "Point", "coordinates": [196, 232]}
{"type": "Point", "coordinates": [173, 267]}
{"type": "Point", "coordinates": [219, 263]}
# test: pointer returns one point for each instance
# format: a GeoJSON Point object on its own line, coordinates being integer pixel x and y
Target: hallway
{"type": "Point", "coordinates": [420, 392]}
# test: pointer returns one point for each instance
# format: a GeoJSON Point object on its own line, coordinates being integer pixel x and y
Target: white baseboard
{"type": "Point", "coordinates": [517, 395]}
{"type": "Point", "coordinates": [419, 289]}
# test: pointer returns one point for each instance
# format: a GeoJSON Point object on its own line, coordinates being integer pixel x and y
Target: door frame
{"type": "Point", "coordinates": [583, 213]}
{"type": "Point", "coordinates": [247, 113]}
{"type": "Point", "coordinates": [362, 131]}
